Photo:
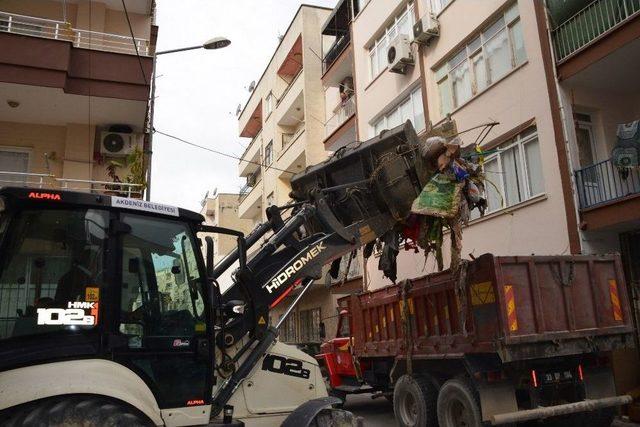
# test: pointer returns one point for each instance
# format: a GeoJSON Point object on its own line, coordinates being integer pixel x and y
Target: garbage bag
{"type": "Point", "coordinates": [440, 197]}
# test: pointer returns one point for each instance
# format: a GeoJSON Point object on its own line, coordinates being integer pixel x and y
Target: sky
{"type": "Point", "coordinates": [198, 91]}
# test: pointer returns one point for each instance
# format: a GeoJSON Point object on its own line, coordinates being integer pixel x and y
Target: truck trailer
{"type": "Point", "coordinates": [507, 339]}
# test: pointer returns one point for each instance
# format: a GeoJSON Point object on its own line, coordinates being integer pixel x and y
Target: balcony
{"type": "Point", "coordinates": [251, 157]}
{"type": "Point", "coordinates": [292, 158]}
{"type": "Point", "coordinates": [590, 24]}
{"type": "Point", "coordinates": [609, 198]}
{"type": "Point", "coordinates": [336, 33]}
{"type": "Point", "coordinates": [342, 113]}
{"type": "Point", "coordinates": [603, 183]}
{"type": "Point", "coordinates": [47, 181]}
{"type": "Point", "coordinates": [335, 51]}
{"type": "Point", "coordinates": [58, 30]}
{"type": "Point", "coordinates": [250, 200]}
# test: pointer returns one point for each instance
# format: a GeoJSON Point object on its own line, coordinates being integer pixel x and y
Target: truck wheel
{"type": "Point", "coordinates": [458, 404]}
{"type": "Point", "coordinates": [414, 402]}
{"type": "Point", "coordinates": [84, 411]}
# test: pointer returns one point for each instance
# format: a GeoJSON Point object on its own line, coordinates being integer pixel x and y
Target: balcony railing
{"type": "Point", "coordinates": [589, 24]}
{"type": "Point", "coordinates": [355, 269]}
{"type": "Point", "coordinates": [603, 182]}
{"type": "Point", "coordinates": [342, 114]}
{"type": "Point", "coordinates": [334, 51]}
{"type": "Point", "coordinates": [46, 181]}
{"type": "Point", "coordinates": [58, 30]}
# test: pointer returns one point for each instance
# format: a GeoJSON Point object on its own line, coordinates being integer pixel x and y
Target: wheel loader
{"type": "Point", "coordinates": [111, 315]}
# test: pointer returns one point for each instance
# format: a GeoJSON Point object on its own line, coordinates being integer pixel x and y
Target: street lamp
{"type": "Point", "coordinates": [212, 44]}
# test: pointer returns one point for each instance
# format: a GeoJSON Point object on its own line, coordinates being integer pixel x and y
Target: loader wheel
{"type": "Point", "coordinates": [85, 411]}
{"type": "Point", "coordinates": [414, 402]}
{"type": "Point", "coordinates": [458, 404]}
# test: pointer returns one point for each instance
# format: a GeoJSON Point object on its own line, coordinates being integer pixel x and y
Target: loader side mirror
{"type": "Point", "coordinates": [322, 331]}
{"type": "Point", "coordinates": [209, 260]}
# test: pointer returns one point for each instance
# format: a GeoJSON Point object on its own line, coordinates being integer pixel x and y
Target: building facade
{"type": "Point", "coordinates": [283, 122]}
{"type": "Point", "coordinates": [69, 77]}
{"type": "Point", "coordinates": [557, 78]}
{"type": "Point", "coordinates": [221, 210]}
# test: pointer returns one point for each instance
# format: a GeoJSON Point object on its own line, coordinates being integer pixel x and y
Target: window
{"type": "Point", "coordinates": [514, 173]}
{"type": "Point", "coordinates": [270, 199]}
{"type": "Point", "coordinates": [268, 105]}
{"type": "Point", "coordinates": [52, 259]}
{"type": "Point", "coordinates": [268, 154]}
{"type": "Point", "coordinates": [482, 62]}
{"type": "Point", "coordinates": [401, 24]}
{"type": "Point", "coordinates": [438, 5]}
{"type": "Point", "coordinates": [161, 286]}
{"type": "Point", "coordinates": [409, 109]}
{"type": "Point", "coordinates": [310, 325]}
{"type": "Point", "coordinates": [288, 329]}
{"type": "Point", "coordinates": [13, 160]}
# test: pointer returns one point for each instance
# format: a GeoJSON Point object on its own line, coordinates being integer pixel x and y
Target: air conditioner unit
{"type": "Point", "coordinates": [426, 29]}
{"type": "Point", "coordinates": [399, 54]}
{"type": "Point", "coordinates": [117, 144]}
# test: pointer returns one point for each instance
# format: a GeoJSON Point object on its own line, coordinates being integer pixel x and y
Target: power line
{"type": "Point", "coordinates": [133, 40]}
{"type": "Point", "coordinates": [231, 156]}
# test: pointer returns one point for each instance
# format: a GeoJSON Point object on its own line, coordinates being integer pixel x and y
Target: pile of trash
{"type": "Point", "coordinates": [455, 186]}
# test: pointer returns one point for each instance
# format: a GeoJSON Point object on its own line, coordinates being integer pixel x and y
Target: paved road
{"type": "Point", "coordinates": [376, 412]}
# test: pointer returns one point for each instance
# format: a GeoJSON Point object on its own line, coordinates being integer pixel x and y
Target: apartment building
{"type": "Point", "coordinates": [283, 122]}
{"type": "Point", "coordinates": [221, 210]}
{"type": "Point", "coordinates": [596, 48]}
{"type": "Point", "coordinates": [556, 76]}
{"type": "Point", "coordinates": [74, 94]}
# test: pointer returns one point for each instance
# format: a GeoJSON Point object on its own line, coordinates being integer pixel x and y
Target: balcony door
{"type": "Point", "coordinates": [587, 157]}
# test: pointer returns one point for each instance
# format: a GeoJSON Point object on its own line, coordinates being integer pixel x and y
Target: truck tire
{"type": "Point", "coordinates": [414, 402]}
{"type": "Point", "coordinates": [458, 404]}
{"type": "Point", "coordinates": [86, 411]}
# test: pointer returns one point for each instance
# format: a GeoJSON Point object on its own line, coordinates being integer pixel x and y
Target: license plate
{"type": "Point", "coordinates": [556, 377]}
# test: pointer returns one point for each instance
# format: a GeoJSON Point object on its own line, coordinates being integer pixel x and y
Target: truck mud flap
{"type": "Point", "coordinates": [553, 411]}
{"type": "Point", "coordinates": [306, 413]}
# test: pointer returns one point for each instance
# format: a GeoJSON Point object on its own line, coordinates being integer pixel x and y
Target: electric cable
{"type": "Point", "coordinates": [231, 156]}
{"type": "Point", "coordinates": [135, 45]}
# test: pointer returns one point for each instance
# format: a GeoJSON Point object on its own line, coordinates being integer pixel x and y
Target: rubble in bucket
{"type": "Point", "coordinates": [395, 189]}
{"type": "Point", "coordinates": [455, 186]}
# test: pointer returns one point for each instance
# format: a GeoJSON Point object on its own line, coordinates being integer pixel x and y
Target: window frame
{"type": "Point", "coordinates": [268, 105]}
{"type": "Point", "coordinates": [268, 154]}
{"type": "Point", "coordinates": [409, 99]}
{"type": "Point", "coordinates": [520, 142]}
{"type": "Point", "coordinates": [385, 37]}
{"type": "Point", "coordinates": [443, 73]}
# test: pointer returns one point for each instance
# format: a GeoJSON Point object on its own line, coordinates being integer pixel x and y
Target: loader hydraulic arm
{"type": "Point", "coordinates": [350, 200]}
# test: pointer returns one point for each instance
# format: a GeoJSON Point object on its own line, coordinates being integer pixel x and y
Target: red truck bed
{"type": "Point", "coordinates": [520, 307]}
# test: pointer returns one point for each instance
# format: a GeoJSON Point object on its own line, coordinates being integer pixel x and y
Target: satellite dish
{"type": "Point", "coordinates": [252, 86]}
{"type": "Point", "coordinates": [238, 110]}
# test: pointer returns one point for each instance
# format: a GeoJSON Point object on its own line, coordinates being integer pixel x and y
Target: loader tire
{"type": "Point", "coordinates": [458, 404]}
{"type": "Point", "coordinates": [73, 410]}
{"type": "Point", "coordinates": [414, 402]}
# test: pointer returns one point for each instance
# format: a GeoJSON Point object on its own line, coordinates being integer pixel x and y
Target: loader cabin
{"type": "Point", "coordinates": [88, 275]}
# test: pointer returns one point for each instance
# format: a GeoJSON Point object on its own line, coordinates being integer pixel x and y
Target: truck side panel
{"type": "Point", "coordinates": [519, 307]}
